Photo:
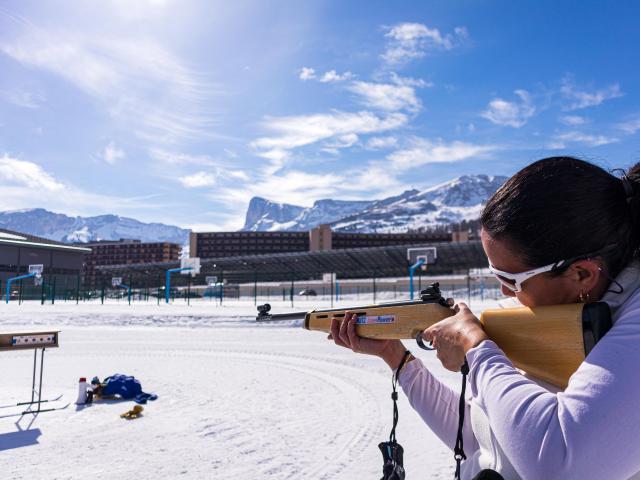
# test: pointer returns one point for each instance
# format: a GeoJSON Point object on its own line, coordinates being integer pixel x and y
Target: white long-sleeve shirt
{"type": "Point", "coordinates": [521, 429]}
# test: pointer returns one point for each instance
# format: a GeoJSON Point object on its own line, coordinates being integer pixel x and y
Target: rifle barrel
{"type": "Point", "coordinates": [281, 316]}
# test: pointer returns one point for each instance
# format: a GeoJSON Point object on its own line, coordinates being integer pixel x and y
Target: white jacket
{"type": "Point", "coordinates": [527, 429]}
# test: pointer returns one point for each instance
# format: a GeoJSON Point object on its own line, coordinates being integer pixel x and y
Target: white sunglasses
{"type": "Point", "coordinates": [514, 281]}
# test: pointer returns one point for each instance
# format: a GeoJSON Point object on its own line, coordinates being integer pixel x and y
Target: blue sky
{"type": "Point", "coordinates": [180, 111]}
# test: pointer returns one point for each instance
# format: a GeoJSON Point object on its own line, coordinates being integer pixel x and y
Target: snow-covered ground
{"type": "Point", "coordinates": [236, 399]}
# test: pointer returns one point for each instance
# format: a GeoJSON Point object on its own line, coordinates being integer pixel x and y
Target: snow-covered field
{"type": "Point", "coordinates": [236, 399]}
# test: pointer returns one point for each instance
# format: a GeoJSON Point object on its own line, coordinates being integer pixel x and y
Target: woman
{"type": "Point", "coordinates": [575, 230]}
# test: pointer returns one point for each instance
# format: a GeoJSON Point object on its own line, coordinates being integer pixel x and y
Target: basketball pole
{"type": "Point", "coordinates": [167, 285]}
{"type": "Point", "coordinates": [15, 279]}
{"type": "Point", "coordinates": [412, 269]}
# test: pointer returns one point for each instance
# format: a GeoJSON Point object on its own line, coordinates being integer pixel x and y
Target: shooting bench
{"type": "Point", "coordinates": [32, 341]}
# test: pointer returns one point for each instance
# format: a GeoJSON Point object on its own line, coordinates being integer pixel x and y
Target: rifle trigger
{"type": "Point", "coordinates": [421, 343]}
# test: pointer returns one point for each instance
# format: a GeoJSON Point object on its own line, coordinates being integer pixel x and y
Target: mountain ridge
{"type": "Point", "coordinates": [453, 201]}
{"type": "Point", "coordinates": [68, 229]}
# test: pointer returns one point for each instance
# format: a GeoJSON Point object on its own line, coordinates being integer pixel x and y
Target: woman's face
{"type": "Point", "coordinates": [542, 289]}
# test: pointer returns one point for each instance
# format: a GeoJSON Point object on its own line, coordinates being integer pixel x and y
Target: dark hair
{"type": "Point", "coordinates": [562, 207]}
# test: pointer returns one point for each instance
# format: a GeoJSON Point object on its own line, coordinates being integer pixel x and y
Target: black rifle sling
{"type": "Point", "coordinates": [392, 451]}
{"type": "Point", "coordinates": [458, 450]}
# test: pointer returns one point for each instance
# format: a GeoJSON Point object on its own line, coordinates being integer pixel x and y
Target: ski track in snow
{"type": "Point", "coordinates": [236, 400]}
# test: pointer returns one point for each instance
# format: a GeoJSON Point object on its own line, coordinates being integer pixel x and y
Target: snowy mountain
{"type": "Point", "coordinates": [264, 215]}
{"type": "Point", "coordinates": [459, 199]}
{"type": "Point", "coordinates": [60, 227]}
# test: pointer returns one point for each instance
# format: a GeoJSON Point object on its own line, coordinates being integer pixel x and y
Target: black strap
{"type": "Point", "coordinates": [458, 450]}
{"type": "Point", "coordinates": [392, 451]}
{"type": "Point", "coordinates": [394, 394]}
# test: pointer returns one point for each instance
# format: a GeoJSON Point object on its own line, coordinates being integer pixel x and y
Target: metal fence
{"type": "Point", "coordinates": [374, 290]}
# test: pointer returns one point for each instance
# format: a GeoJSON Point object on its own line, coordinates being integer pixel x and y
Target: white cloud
{"type": "Point", "coordinates": [23, 99]}
{"type": "Point", "coordinates": [179, 158]}
{"type": "Point", "coordinates": [141, 84]}
{"type": "Point", "coordinates": [583, 138]}
{"type": "Point", "coordinates": [333, 76]}
{"type": "Point", "coordinates": [294, 187]}
{"type": "Point", "coordinates": [343, 141]}
{"type": "Point", "coordinates": [386, 96]}
{"type": "Point", "coordinates": [408, 41]}
{"type": "Point", "coordinates": [379, 143]}
{"type": "Point", "coordinates": [573, 120]}
{"type": "Point", "coordinates": [583, 99]}
{"type": "Point", "coordinates": [424, 151]}
{"type": "Point", "coordinates": [412, 82]}
{"type": "Point", "coordinates": [377, 179]}
{"type": "Point", "coordinates": [307, 73]}
{"type": "Point", "coordinates": [25, 184]}
{"type": "Point", "coordinates": [217, 169]}
{"type": "Point", "coordinates": [237, 174]}
{"type": "Point", "coordinates": [556, 145]}
{"type": "Point", "coordinates": [630, 126]}
{"type": "Point", "coordinates": [302, 130]}
{"type": "Point", "coordinates": [112, 153]}
{"type": "Point", "coordinates": [27, 174]}
{"type": "Point", "coordinates": [198, 180]}
{"type": "Point", "coordinates": [512, 114]}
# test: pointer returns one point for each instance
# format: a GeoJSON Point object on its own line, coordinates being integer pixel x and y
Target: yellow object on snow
{"type": "Point", "coordinates": [133, 413]}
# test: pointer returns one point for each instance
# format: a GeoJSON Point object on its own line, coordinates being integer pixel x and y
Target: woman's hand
{"type": "Point", "coordinates": [343, 333]}
{"type": "Point", "coordinates": [453, 337]}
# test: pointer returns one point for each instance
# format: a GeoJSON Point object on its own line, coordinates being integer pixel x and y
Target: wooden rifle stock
{"type": "Point", "coordinates": [548, 342]}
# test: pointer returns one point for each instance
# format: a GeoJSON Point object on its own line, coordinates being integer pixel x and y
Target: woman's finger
{"type": "Point", "coordinates": [343, 330]}
{"type": "Point", "coordinates": [334, 328]}
{"type": "Point", "coordinates": [461, 306]}
{"type": "Point", "coordinates": [354, 339]}
{"type": "Point", "coordinates": [335, 333]}
{"type": "Point", "coordinates": [429, 334]}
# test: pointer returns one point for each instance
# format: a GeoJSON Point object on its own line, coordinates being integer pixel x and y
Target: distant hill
{"type": "Point", "coordinates": [264, 215]}
{"type": "Point", "coordinates": [452, 202]}
{"type": "Point", "coordinates": [63, 228]}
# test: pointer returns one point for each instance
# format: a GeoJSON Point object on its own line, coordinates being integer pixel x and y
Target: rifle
{"type": "Point", "coordinates": [548, 342]}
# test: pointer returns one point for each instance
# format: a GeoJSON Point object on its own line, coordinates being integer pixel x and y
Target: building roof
{"type": "Point", "coordinates": [10, 237]}
{"type": "Point", "coordinates": [387, 261]}
{"type": "Point", "coordinates": [125, 241]}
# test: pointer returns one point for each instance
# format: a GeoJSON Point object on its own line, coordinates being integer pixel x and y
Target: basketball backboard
{"type": "Point", "coordinates": [193, 265]}
{"type": "Point", "coordinates": [329, 277]}
{"type": "Point", "coordinates": [37, 269]}
{"type": "Point", "coordinates": [428, 254]}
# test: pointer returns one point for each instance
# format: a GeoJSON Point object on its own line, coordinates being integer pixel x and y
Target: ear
{"type": "Point", "coordinates": [585, 273]}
